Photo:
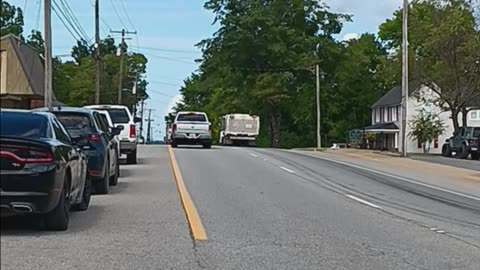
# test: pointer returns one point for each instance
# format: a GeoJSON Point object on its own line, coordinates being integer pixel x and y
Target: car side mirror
{"type": "Point", "coordinates": [80, 141]}
{"type": "Point", "coordinates": [116, 131]}
{"type": "Point", "coordinates": [137, 119]}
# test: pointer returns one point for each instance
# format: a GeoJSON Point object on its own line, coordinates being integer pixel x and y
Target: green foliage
{"type": "Point", "coordinates": [444, 50]}
{"type": "Point", "coordinates": [11, 19]}
{"type": "Point", "coordinates": [426, 128]}
{"type": "Point", "coordinates": [260, 62]}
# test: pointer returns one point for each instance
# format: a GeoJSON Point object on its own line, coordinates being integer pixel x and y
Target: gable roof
{"type": "Point", "coordinates": [30, 62]}
{"type": "Point", "coordinates": [394, 96]}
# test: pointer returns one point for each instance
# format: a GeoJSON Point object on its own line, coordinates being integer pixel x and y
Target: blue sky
{"type": "Point", "coordinates": [174, 25]}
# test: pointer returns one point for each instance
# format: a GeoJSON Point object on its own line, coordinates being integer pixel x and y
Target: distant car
{"type": "Point", "coordinates": [191, 128]}
{"type": "Point", "coordinates": [121, 116]}
{"type": "Point", "coordinates": [103, 163]}
{"type": "Point", "coordinates": [464, 142]}
{"type": "Point", "coordinates": [42, 173]}
{"type": "Point", "coordinates": [106, 117]}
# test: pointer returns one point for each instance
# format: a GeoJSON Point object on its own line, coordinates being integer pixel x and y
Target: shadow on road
{"type": "Point", "coordinates": [34, 225]}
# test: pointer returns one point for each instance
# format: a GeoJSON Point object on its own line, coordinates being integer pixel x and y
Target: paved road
{"type": "Point", "coordinates": [261, 209]}
{"type": "Point", "coordinates": [454, 162]}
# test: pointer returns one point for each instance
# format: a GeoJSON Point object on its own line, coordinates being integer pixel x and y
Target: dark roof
{"type": "Point", "coordinates": [65, 109]}
{"type": "Point", "coordinates": [394, 96]}
{"type": "Point", "coordinates": [31, 64]}
{"type": "Point", "coordinates": [390, 126]}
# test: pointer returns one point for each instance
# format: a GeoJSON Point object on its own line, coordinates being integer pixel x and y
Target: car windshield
{"type": "Point", "coordinates": [118, 116]}
{"type": "Point", "coordinates": [77, 124]}
{"type": "Point", "coordinates": [191, 117]}
{"type": "Point", "coordinates": [19, 124]}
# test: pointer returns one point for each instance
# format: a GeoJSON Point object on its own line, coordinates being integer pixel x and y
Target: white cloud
{"type": "Point", "coordinates": [178, 99]}
{"type": "Point", "coordinates": [350, 36]}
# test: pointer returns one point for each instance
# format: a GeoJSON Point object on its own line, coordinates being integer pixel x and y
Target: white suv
{"type": "Point", "coordinates": [121, 116]}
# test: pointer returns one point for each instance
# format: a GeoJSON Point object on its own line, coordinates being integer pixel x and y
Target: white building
{"type": "Point", "coordinates": [386, 119]}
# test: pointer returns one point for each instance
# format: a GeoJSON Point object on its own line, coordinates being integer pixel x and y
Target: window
{"type": "Point", "coordinates": [435, 143]}
{"type": "Point", "coordinates": [382, 115]}
{"type": "Point", "coordinates": [419, 144]}
{"type": "Point", "coordinates": [60, 133]}
{"type": "Point", "coordinates": [475, 115]}
{"type": "Point", "coordinates": [377, 115]}
{"type": "Point", "coordinates": [101, 123]}
{"type": "Point", "coordinates": [394, 114]}
{"type": "Point", "coordinates": [19, 124]}
{"type": "Point", "coordinates": [77, 124]}
{"type": "Point", "coordinates": [119, 116]}
{"type": "Point", "coordinates": [191, 117]}
{"type": "Point", "coordinates": [389, 114]}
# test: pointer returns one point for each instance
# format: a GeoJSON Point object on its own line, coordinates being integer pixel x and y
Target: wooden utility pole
{"type": "Point", "coordinates": [141, 116]}
{"type": "Point", "coordinates": [149, 120]}
{"type": "Point", "coordinates": [48, 93]}
{"type": "Point", "coordinates": [120, 73]}
{"type": "Point", "coordinates": [97, 53]}
{"type": "Point", "coordinates": [319, 136]}
{"type": "Point", "coordinates": [404, 79]}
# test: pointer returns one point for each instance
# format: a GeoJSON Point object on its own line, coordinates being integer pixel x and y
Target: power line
{"type": "Point", "coordinates": [59, 12]}
{"type": "Point", "coordinates": [169, 59]}
{"type": "Point", "coordinates": [168, 50]}
{"type": "Point", "coordinates": [72, 16]}
{"type": "Point", "coordinates": [160, 93]}
{"type": "Point", "coordinates": [164, 83]}
{"type": "Point", "coordinates": [126, 13]}
{"type": "Point", "coordinates": [118, 15]}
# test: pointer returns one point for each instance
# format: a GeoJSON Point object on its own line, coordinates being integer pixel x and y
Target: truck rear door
{"type": "Point", "coordinates": [192, 123]}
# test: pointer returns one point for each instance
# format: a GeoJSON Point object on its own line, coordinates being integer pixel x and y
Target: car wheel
{"type": "Point", "coordinates": [463, 152]}
{"type": "Point", "coordinates": [174, 144]}
{"type": "Point", "coordinates": [114, 178]}
{"type": "Point", "coordinates": [58, 218]}
{"type": "Point", "coordinates": [86, 196]}
{"type": "Point", "coordinates": [132, 157]}
{"type": "Point", "coordinates": [103, 186]}
{"type": "Point", "coordinates": [207, 145]}
{"type": "Point", "coordinates": [475, 155]}
{"type": "Point", "coordinates": [446, 151]}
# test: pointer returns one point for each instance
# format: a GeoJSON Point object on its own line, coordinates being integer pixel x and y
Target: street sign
{"type": "Point", "coordinates": [355, 136]}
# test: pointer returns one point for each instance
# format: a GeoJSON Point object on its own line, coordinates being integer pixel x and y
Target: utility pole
{"type": "Point", "coordinates": [150, 120]}
{"type": "Point", "coordinates": [97, 53]}
{"type": "Point", "coordinates": [141, 116]}
{"type": "Point", "coordinates": [48, 94]}
{"type": "Point", "coordinates": [405, 81]}
{"type": "Point", "coordinates": [120, 73]}
{"type": "Point", "coordinates": [319, 136]}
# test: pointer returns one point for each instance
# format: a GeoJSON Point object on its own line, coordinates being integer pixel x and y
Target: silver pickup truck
{"type": "Point", "coordinates": [191, 128]}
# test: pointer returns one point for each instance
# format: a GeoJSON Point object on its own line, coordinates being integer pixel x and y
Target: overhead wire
{"type": "Point", "coordinates": [73, 18]}
{"type": "Point", "coordinates": [118, 15]}
{"type": "Point", "coordinates": [126, 13]}
{"type": "Point", "coordinates": [168, 50]}
{"type": "Point", "coordinates": [68, 21]}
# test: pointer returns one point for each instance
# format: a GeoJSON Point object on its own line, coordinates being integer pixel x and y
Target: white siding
{"type": "Point", "coordinates": [415, 107]}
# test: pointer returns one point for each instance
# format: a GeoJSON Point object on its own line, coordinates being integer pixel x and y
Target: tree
{"type": "Point", "coordinates": [426, 128]}
{"type": "Point", "coordinates": [11, 20]}
{"type": "Point", "coordinates": [445, 51]}
{"type": "Point", "coordinates": [35, 39]}
{"type": "Point", "coordinates": [260, 62]}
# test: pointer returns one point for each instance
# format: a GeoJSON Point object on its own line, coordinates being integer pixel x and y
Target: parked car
{"type": "Point", "coordinates": [121, 116]}
{"type": "Point", "coordinates": [103, 163]}
{"type": "Point", "coordinates": [464, 142]}
{"type": "Point", "coordinates": [191, 128]}
{"type": "Point", "coordinates": [106, 118]}
{"type": "Point", "coordinates": [42, 172]}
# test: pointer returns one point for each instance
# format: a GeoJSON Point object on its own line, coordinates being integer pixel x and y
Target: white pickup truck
{"type": "Point", "coordinates": [191, 128]}
{"type": "Point", "coordinates": [241, 129]}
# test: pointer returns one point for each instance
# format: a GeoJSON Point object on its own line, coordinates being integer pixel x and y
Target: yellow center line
{"type": "Point", "coordinates": [195, 223]}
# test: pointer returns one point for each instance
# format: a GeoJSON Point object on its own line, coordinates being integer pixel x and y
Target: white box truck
{"type": "Point", "coordinates": [239, 129]}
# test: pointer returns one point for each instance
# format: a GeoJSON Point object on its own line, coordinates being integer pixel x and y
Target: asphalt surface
{"type": "Point", "coordinates": [261, 209]}
{"type": "Point", "coordinates": [454, 162]}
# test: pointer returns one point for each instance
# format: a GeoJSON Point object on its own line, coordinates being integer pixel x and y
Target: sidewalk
{"type": "Point", "coordinates": [443, 176]}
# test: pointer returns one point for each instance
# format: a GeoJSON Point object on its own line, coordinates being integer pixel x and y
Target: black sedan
{"type": "Point", "coordinates": [41, 172]}
{"type": "Point", "coordinates": [103, 163]}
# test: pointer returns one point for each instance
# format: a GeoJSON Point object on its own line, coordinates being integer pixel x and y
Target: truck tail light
{"type": "Point", "coordinates": [174, 127]}
{"type": "Point", "coordinates": [209, 128]}
{"type": "Point", "coordinates": [94, 138]}
{"type": "Point", "coordinates": [471, 141]}
{"type": "Point", "coordinates": [133, 131]}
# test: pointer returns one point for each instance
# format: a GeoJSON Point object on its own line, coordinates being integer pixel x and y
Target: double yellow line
{"type": "Point", "coordinates": [197, 230]}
